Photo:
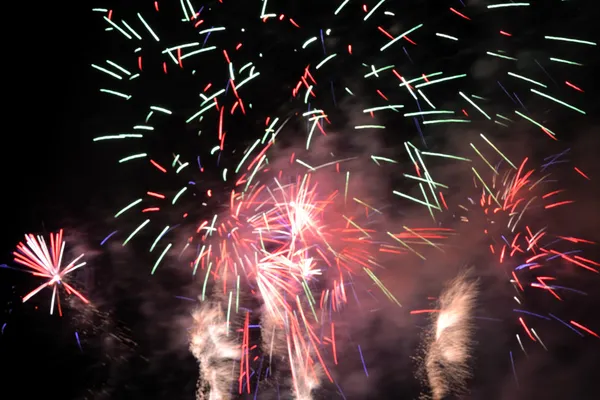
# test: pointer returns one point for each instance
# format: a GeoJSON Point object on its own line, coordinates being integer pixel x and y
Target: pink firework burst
{"type": "Point", "coordinates": [46, 261]}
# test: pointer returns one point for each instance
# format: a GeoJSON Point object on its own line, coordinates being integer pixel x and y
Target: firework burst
{"type": "Point", "coordinates": [516, 204]}
{"type": "Point", "coordinates": [298, 238]}
{"type": "Point", "coordinates": [46, 261]}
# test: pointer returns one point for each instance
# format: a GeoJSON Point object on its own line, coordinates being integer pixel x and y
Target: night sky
{"type": "Point", "coordinates": [134, 344]}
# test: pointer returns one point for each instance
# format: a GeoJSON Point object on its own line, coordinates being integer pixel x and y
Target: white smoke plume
{"type": "Point", "coordinates": [215, 350]}
{"type": "Point", "coordinates": [450, 342]}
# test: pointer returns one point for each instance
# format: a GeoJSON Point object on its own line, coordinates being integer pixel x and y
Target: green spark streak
{"type": "Point", "coordinates": [135, 232]}
{"type": "Point", "coordinates": [446, 36]}
{"type": "Point", "coordinates": [191, 7]}
{"type": "Point", "coordinates": [184, 9]}
{"type": "Point", "coordinates": [137, 36]}
{"type": "Point", "coordinates": [346, 188]}
{"type": "Point", "coordinates": [312, 131]}
{"type": "Point", "coordinates": [442, 155]}
{"type": "Point", "coordinates": [366, 205]}
{"type": "Point", "coordinates": [534, 122]}
{"type": "Point", "coordinates": [160, 109]}
{"type": "Point", "coordinates": [388, 107]}
{"type": "Point", "coordinates": [429, 206]}
{"type": "Point", "coordinates": [414, 114]}
{"type": "Point", "coordinates": [312, 112]}
{"type": "Point", "coordinates": [486, 186]}
{"type": "Point", "coordinates": [181, 46]}
{"type": "Point", "coordinates": [369, 127]}
{"type": "Point", "coordinates": [504, 118]}
{"type": "Point", "coordinates": [564, 39]}
{"type": "Point", "coordinates": [246, 66]}
{"type": "Point", "coordinates": [527, 79]}
{"type": "Point", "coordinates": [202, 111]}
{"type": "Point", "coordinates": [117, 66]}
{"type": "Point", "coordinates": [558, 101]}
{"type": "Point", "coordinates": [237, 294]}
{"type": "Point", "coordinates": [127, 207]}
{"type": "Point", "coordinates": [424, 203]}
{"type": "Point", "coordinates": [229, 311]}
{"type": "Point", "coordinates": [503, 5]}
{"type": "Point", "coordinates": [231, 72]}
{"type": "Point", "coordinates": [433, 82]}
{"type": "Point", "coordinates": [498, 151]}
{"type": "Point", "coordinates": [160, 258]}
{"type": "Point", "coordinates": [254, 172]}
{"type": "Point", "coordinates": [400, 37]}
{"type": "Point", "coordinates": [160, 235]}
{"type": "Point", "coordinates": [382, 286]}
{"type": "Point", "coordinates": [210, 30]}
{"type": "Point", "coordinates": [247, 155]}
{"type": "Point", "coordinates": [206, 280]}
{"type": "Point", "coordinates": [120, 136]}
{"type": "Point", "coordinates": [416, 178]}
{"type": "Point", "coordinates": [107, 71]}
{"type": "Point", "coordinates": [270, 129]}
{"type": "Point", "coordinates": [426, 99]}
{"type": "Point", "coordinates": [560, 60]}
{"type": "Point", "coordinates": [311, 299]}
{"type": "Point", "coordinates": [309, 41]}
{"type": "Point", "coordinates": [484, 159]}
{"type": "Point", "coordinates": [373, 10]}
{"type": "Point", "coordinates": [132, 157]}
{"type": "Point", "coordinates": [423, 238]}
{"type": "Point", "coordinates": [248, 79]}
{"type": "Point", "coordinates": [427, 175]}
{"type": "Point", "coordinates": [197, 263]}
{"type": "Point", "coordinates": [379, 70]}
{"type": "Point", "coordinates": [501, 56]}
{"type": "Point", "coordinates": [207, 99]}
{"type": "Point", "coordinates": [179, 194]}
{"type": "Point", "coordinates": [117, 27]}
{"type": "Point", "coordinates": [445, 121]}
{"type": "Point", "coordinates": [405, 245]}
{"type": "Point", "coordinates": [143, 128]}
{"type": "Point", "coordinates": [182, 166]}
{"type": "Point", "coordinates": [115, 93]}
{"type": "Point", "coordinates": [378, 158]}
{"type": "Point", "coordinates": [148, 27]}
{"type": "Point", "coordinates": [308, 90]}
{"type": "Point", "coordinates": [420, 78]}
{"type": "Point", "coordinates": [193, 53]}
{"type": "Point", "coordinates": [340, 7]}
{"type": "Point", "coordinates": [356, 225]}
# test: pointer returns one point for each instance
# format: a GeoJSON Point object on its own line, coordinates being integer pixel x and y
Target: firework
{"type": "Point", "coordinates": [515, 204]}
{"type": "Point", "coordinates": [46, 261]}
{"type": "Point", "coordinates": [248, 222]}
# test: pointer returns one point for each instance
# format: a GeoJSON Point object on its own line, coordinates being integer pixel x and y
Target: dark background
{"type": "Point", "coordinates": [53, 176]}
